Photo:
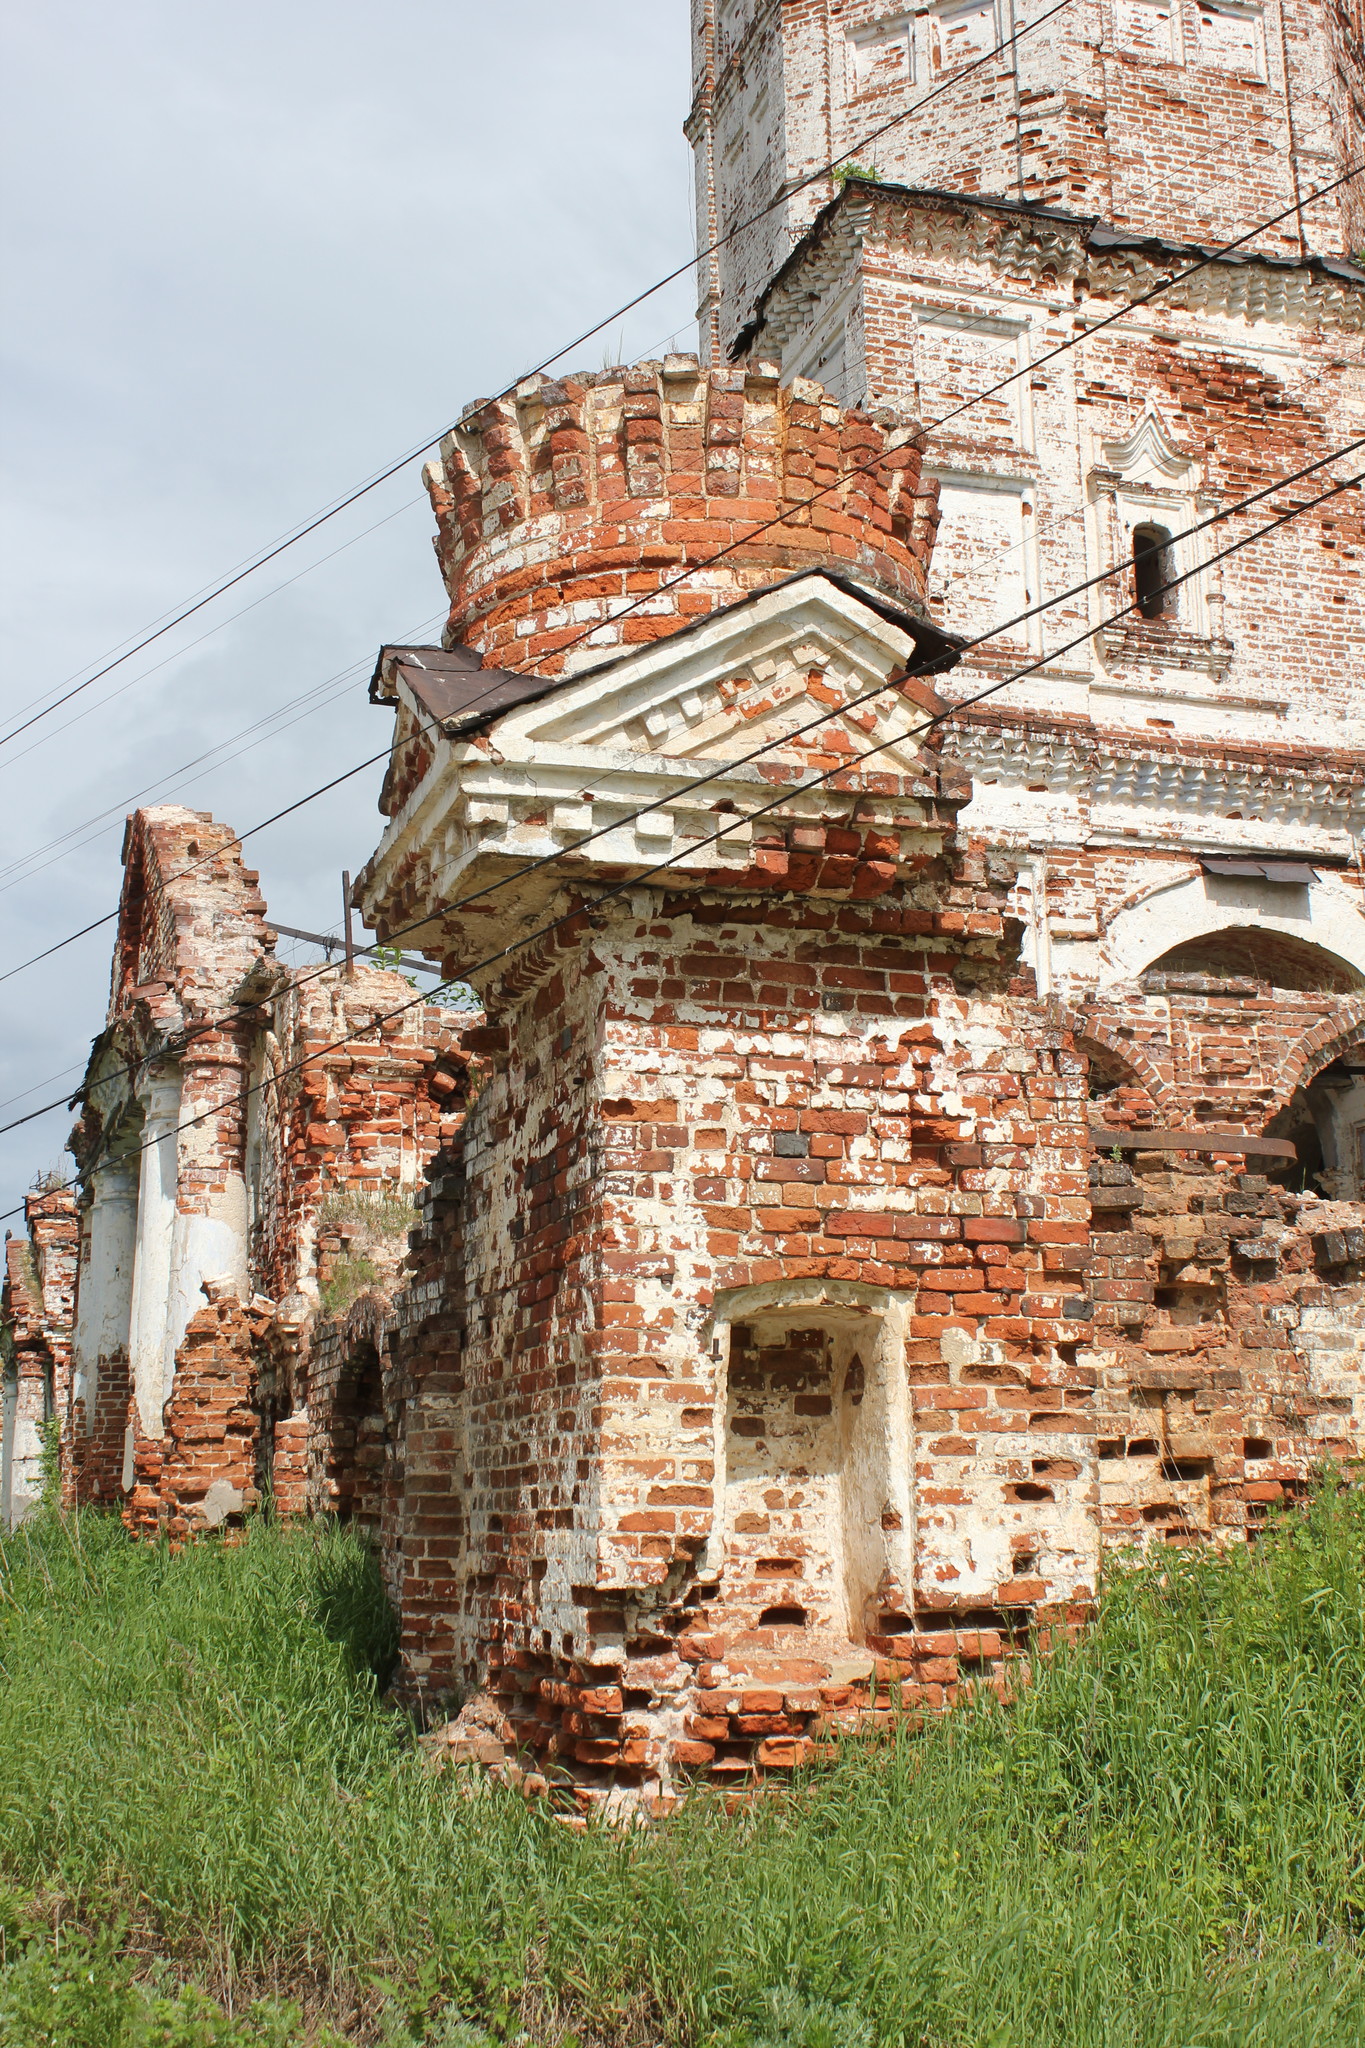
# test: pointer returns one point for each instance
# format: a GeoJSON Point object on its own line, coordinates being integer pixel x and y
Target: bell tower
{"type": "Point", "coordinates": [1188, 120]}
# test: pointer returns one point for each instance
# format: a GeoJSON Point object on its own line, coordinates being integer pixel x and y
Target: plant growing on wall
{"type": "Point", "coordinates": [374, 1224]}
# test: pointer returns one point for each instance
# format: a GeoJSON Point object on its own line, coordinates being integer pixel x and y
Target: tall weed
{"type": "Point", "coordinates": [1156, 1844]}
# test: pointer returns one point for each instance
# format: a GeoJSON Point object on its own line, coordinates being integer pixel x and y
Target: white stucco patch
{"type": "Point", "coordinates": [1322, 914]}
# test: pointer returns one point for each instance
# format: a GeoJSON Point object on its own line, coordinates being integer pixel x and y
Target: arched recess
{"type": "Point", "coordinates": [1323, 914]}
{"type": "Point", "coordinates": [1325, 1043]}
{"type": "Point", "coordinates": [1320, 1107]}
{"type": "Point", "coordinates": [814, 1526]}
{"type": "Point", "coordinates": [359, 1437]}
{"type": "Point", "coordinates": [1112, 1056]}
{"type": "Point", "coordinates": [1250, 952]}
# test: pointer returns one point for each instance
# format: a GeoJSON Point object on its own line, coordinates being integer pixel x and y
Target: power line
{"type": "Point", "coordinates": [779, 519]}
{"type": "Point", "coordinates": [634, 881]}
{"type": "Point", "coordinates": [322, 790]}
{"type": "Point", "coordinates": [231, 619]}
{"type": "Point", "coordinates": [10, 878]}
{"type": "Point", "coordinates": [1162, 285]}
{"type": "Point", "coordinates": [927, 427]}
{"type": "Point", "coordinates": [382, 476]}
{"type": "Point", "coordinates": [271, 725]}
{"type": "Point", "coordinates": [728, 767]}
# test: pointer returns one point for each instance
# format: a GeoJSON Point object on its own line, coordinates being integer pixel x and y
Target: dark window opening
{"type": "Point", "coordinates": [1153, 570]}
{"type": "Point", "coordinates": [1185, 1468]}
{"type": "Point", "coordinates": [782, 1617]}
{"type": "Point", "coordinates": [359, 1447]}
{"type": "Point", "coordinates": [1297, 1123]}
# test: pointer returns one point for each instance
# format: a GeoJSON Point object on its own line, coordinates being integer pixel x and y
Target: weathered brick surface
{"type": "Point", "coordinates": [1190, 122]}
{"type": "Point", "coordinates": [232, 1156]}
{"type": "Point", "coordinates": [763, 1320]}
{"type": "Point", "coordinates": [569, 501]}
{"type": "Point", "coordinates": [35, 1323]}
{"type": "Point", "coordinates": [821, 1251]}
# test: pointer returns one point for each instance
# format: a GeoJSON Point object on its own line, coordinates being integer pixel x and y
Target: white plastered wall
{"type": "Point", "coordinates": [875, 1540]}
{"type": "Point", "coordinates": [1323, 913]}
{"type": "Point", "coordinates": [105, 1295]}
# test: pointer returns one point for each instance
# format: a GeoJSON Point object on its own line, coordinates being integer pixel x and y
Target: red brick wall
{"type": "Point", "coordinates": [564, 503]}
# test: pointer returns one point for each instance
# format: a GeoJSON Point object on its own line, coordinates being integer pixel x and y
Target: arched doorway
{"type": "Point", "coordinates": [358, 1453]}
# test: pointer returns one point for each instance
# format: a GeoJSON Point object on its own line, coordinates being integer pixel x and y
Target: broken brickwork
{"type": "Point", "coordinates": [897, 1161]}
{"type": "Point", "coordinates": [1192, 122]}
{"type": "Point", "coordinates": [763, 1321]}
{"type": "Point", "coordinates": [562, 503]}
{"type": "Point", "coordinates": [228, 1145]}
{"type": "Point", "coordinates": [35, 1331]}
{"type": "Point", "coordinates": [1236, 1315]}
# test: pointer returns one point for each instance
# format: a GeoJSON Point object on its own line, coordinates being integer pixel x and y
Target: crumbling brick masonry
{"type": "Point", "coordinates": [895, 1161]}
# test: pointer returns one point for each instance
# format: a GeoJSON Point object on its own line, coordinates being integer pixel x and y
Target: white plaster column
{"type": "Point", "coordinates": [152, 1260]}
{"type": "Point", "coordinates": [1040, 924]}
{"type": "Point", "coordinates": [9, 1417]}
{"type": "Point", "coordinates": [208, 1242]}
{"type": "Point", "coordinates": [25, 1410]}
{"type": "Point", "coordinates": [104, 1290]}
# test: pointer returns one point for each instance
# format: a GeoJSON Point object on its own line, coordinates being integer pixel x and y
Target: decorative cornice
{"type": "Point", "coordinates": [1046, 246]}
{"type": "Point", "coordinates": [1108, 770]}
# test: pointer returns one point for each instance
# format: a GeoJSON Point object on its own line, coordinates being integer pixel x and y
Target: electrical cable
{"type": "Point", "coordinates": [1281, 483]}
{"type": "Point", "coordinates": [10, 878]}
{"type": "Point", "coordinates": [633, 882]}
{"type": "Point", "coordinates": [322, 790]}
{"type": "Point", "coordinates": [779, 519]}
{"type": "Point", "coordinates": [728, 766]}
{"type": "Point", "coordinates": [842, 767]}
{"type": "Point", "coordinates": [268, 727]}
{"type": "Point", "coordinates": [339, 505]}
{"type": "Point", "coordinates": [89, 710]}
{"type": "Point", "coordinates": [1162, 285]}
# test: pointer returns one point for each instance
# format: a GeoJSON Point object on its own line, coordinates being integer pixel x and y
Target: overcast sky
{"type": "Point", "coordinates": [250, 255]}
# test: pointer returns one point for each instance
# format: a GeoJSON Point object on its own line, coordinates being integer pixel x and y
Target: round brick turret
{"type": "Point", "coordinates": [560, 506]}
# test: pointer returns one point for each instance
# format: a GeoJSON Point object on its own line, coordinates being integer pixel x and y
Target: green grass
{"type": "Point", "coordinates": [1157, 1845]}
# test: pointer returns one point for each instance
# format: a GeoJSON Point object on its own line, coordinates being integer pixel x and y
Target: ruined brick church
{"type": "Point", "coordinates": [912, 1142]}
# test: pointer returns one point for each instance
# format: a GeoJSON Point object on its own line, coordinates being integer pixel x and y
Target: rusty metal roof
{"type": "Point", "coordinates": [454, 689]}
{"type": "Point", "coordinates": [451, 684]}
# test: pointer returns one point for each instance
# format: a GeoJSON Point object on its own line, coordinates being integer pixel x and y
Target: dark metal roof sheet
{"type": "Point", "coordinates": [1096, 233]}
{"type": "Point", "coordinates": [1102, 236]}
{"type": "Point", "coordinates": [449, 682]}
{"type": "Point", "coordinates": [462, 696]}
{"type": "Point", "coordinates": [1298, 872]}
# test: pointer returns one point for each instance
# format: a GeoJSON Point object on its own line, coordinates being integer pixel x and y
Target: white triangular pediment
{"type": "Point", "coordinates": [803, 665]}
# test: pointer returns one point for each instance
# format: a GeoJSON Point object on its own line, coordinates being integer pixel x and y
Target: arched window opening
{"type": "Point", "coordinates": [1251, 952]}
{"type": "Point", "coordinates": [1298, 1121]}
{"type": "Point", "coordinates": [1153, 570]}
{"type": "Point", "coordinates": [1324, 1120]}
{"type": "Point", "coordinates": [1105, 1076]}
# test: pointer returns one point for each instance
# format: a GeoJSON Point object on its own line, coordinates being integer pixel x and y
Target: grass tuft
{"type": "Point", "coordinates": [1158, 1844]}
